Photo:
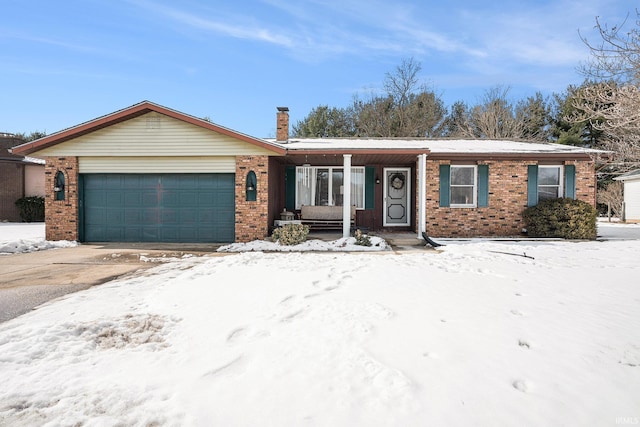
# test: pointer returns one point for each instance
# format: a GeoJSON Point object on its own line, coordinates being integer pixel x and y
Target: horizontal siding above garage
{"type": "Point", "coordinates": [154, 134]}
{"type": "Point", "coordinates": [195, 164]}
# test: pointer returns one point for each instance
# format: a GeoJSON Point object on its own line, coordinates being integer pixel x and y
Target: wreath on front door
{"type": "Point", "coordinates": [397, 181]}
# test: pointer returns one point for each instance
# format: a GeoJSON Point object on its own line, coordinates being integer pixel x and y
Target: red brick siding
{"type": "Point", "coordinates": [252, 216]}
{"type": "Point", "coordinates": [507, 200]}
{"type": "Point", "coordinates": [586, 181]}
{"type": "Point", "coordinates": [11, 189]}
{"type": "Point", "coordinates": [61, 216]}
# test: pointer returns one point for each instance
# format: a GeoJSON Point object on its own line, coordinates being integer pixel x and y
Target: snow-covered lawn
{"type": "Point", "coordinates": [472, 335]}
{"type": "Point", "coordinates": [26, 237]}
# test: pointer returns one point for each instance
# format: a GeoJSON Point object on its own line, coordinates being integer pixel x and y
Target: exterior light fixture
{"type": "Point", "coordinates": [251, 187]}
{"type": "Point", "coordinates": [58, 186]}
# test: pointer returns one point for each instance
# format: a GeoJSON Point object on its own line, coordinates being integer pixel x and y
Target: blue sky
{"type": "Point", "coordinates": [65, 62]}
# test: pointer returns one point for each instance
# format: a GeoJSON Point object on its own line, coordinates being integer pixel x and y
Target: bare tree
{"type": "Point", "coordinates": [613, 105]}
{"type": "Point", "coordinates": [616, 56]}
{"type": "Point", "coordinates": [407, 109]}
{"type": "Point", "coordinates": [612, 196]}
{"type": "Point", "coordinates": [400, 85]}
{"type": "Point", "coordinates": [494, 117]}
{"type": "Point", "coordinates": [615, 110]}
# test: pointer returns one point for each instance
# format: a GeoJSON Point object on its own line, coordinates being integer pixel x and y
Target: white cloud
{"type": "Point", "coordinates": [240, 28]}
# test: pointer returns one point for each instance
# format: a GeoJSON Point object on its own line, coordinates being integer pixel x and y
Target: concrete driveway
{"type": "Point", "coordinates": [30, 279]}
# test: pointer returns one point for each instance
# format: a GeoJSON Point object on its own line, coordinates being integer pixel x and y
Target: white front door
{"type": "Point", "coordinates": [397, 197]}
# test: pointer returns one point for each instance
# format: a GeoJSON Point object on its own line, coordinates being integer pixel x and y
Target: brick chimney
{"type": "Point", "coordinates": [282, 124]}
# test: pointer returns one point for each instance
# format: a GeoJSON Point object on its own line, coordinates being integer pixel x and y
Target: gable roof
{"type": "Point", "coordinates": [8, 140]}
{"type": "Point", "coordinates": [131, 112]}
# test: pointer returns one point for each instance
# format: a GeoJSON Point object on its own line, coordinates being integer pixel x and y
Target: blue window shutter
{"type": "Point", "coordinates": [369, 187]}
{"type": "Point", "coordinates": [290, 187]}
{"type": "Point", "coordinates": [532, 185]}
{"type": "Point", "coordinates": [570, 181]}
{"type": "Point", "coordinates": [483, 186]}
{"type": "Point", "coordinates": [445, 179]}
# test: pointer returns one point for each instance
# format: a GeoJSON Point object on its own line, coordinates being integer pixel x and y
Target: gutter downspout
{"type": "Point", "coordinates": [422, 194]}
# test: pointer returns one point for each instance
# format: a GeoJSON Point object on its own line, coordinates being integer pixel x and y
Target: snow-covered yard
{"type": "Point", "coordinates": [472, 335]}
{"type": "Point", "coordinates": [26, 237]}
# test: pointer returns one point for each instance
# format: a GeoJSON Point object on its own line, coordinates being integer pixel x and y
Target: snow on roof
{"type": "Point", "coordinates": [633, 175]}
{"type": "Point", "coordinates": [34, 160]}
{"type": "Point", "coordinates": [433, 145]}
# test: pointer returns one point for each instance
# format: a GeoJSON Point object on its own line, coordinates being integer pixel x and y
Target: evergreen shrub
{"type": "Point", "coordinates": [31, 208]}
{"type": "Point", "coordinates": [565, 218]}
{"type": "Point", "coordinates": [362, 239]}
{"type": "Point", "coordinates": [290, 234]}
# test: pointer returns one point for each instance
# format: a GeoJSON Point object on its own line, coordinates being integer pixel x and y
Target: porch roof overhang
{"type": "Point", "coordinates": [358, 157]}
{"type": "Point", "coordinates": [551, 156]}
{"type": "Point", "coordinates": [401, 151]}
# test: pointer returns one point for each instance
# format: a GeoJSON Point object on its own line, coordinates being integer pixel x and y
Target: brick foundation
{"type": "Point", "coordinates": [252, 216]}
{"type": "Point", "coordinates": [61, 216]}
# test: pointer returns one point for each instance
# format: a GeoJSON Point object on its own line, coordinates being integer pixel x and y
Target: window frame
{"type": "Point", "coordinates": [559, 186]}
{"type": "Point", "coordinates": [360, 204]}
{"type": "Point", "coordinates": [474, 187]}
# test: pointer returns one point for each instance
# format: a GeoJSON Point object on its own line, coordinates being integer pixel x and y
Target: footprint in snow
{"type": "Point", "coordinates": [236, 335]}
{"type": "Point", "coordinates": [524, 344]}
{"type": "Point", "coordinates": [521, 385]}
{"type": "Point", "coordinates": [235, 363]}
{"type": "Point", "coordinates": [517, 313]}
{"type": "Point", "coordinates": [244, 334]}
{"type": "Point", "coordinates": [287, 299]}
{"type": "Point", "coordinates": [289, 317]}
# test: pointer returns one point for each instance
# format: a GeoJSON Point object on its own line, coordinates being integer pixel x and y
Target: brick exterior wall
{"type": "Point", "coordinates": [61, 216]}
{"type": "Point", "coordinates": [507, 200]}
{"type": "Point", "coordinates": [586, 181]}
{"type": "Point", "coordinates": [282, 124]}
{"type": "Point", "coordinates": [252, 216]}
{"type": "Point", "coordinates": [11, 189]}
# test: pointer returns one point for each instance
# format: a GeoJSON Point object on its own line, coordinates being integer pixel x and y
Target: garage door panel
{"type": "Point", "coordinates": [190, 217]}
{"type": "Point", "coordinates": [187, 198]}
{"type": "Point", "coordinates": [132, 216]}
{"type": "Point", "coordinates": [149, 215]}
{"type": "Point", "coordinates": [115, 216]}
{"type": "Point", "coordinates": [224, 198]}
{"type": "Point", "coordinates": [113, 198]}
{"type": "Point", "coordinates": [169, 217]}
{"type": "Point", "coordinates": [95, 198]}
{"type": "Point", "coordinates": [131, 198]}
{"type": "Point", "coordinates": [159, 207]}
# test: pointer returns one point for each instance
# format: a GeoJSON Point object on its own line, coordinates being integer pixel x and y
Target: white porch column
{"type": "Point", "coordinates": [346, 196]}
{"type": "Point", "coordinates": [422, 194]}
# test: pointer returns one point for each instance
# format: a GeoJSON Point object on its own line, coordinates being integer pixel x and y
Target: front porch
{"type": "Point", "coordinates": [383, 186]}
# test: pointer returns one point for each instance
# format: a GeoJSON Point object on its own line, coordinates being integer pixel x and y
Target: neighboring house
{"type": "Point", "coordinates": [149, 173]}
{"type": "Point", "coordinates": [631, 192]}
{"type": "Point", "coordinates": [20, 176]}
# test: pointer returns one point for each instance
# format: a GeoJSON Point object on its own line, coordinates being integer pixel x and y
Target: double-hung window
{"type": "Point", "coordinates": [463, 186]}
{"type": "Point", "coordinates": [549, 182]}
{"type": "Point", "coordinates": [324, 186]}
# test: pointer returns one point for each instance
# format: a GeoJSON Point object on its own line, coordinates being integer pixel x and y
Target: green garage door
{"type": "Point", "coordinates": [157, 208]}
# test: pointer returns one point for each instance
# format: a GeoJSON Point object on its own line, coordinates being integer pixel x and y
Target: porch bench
{"type": "Point", "coordinates": [325, 217]}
